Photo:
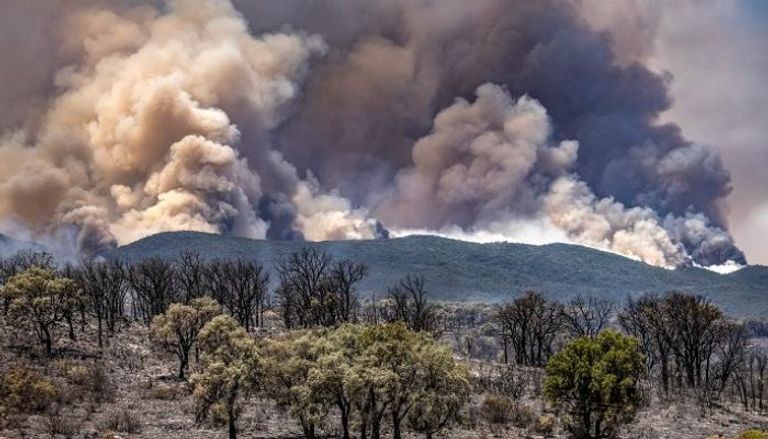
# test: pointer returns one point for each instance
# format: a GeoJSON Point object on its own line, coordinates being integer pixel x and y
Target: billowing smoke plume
{"type": "Point", "coordinates": [492, 161]}
{"type": "Point", "coordinates": [312, 120]}
{"type": "Point", "coordinates": [142, 135]}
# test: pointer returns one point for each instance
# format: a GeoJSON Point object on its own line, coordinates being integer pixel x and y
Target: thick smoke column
{"type": "Point", "coordinates": [492, 162]}
{"type": "Point", "coordinates": [392, 66]}
{"type": "Point", "coordinates": [312, 120]}
{"type": "Point", "coordinates": [141, 137]}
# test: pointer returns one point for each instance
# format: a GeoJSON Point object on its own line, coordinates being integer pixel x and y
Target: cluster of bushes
{"type": "Point", "coordinates": [387, 374]}
{"type": "Point", "coordinates": [364, 375]}
{"type": "Point", "coordinates": [26, 390]}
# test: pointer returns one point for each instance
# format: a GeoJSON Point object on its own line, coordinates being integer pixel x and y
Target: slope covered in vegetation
{"type": "Point", "coordinates": [464, 271]}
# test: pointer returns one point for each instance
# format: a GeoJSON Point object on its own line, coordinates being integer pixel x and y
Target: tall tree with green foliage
{"type": "Point", "coordinates": [336, 352]}
{"type": "Point", "coordinates": [595, 381]}
{"type": "Point", "coordinates": [443, 391]}
{"type": "Point", "coordinates": [400, 372]}
{"type": "Point", "coordinates": [39, 301]}
{"type": "Point", "coordinates": [291, 362]}
{"type": "Point", "coordinates": [231, 368]}
{"type": "Point", "coordinates": [177, 329]}
{"type": "Point", "coordinates": [369, 374]}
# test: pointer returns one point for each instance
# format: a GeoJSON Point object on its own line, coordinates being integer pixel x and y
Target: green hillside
{"type": "Point", "coordinates": [464, 271]}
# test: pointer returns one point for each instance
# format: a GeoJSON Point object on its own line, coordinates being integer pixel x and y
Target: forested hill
{"type": "Point", "coordinates": [463, 271]}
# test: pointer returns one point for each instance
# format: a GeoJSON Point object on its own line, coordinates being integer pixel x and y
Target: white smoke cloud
{"type": "Point", "coordinates": [156, 118]}
{"type": "Point", "coordinates": [481, 159]}
{"type": "Point", "coordinates": [142, 135]}
{"type": "Point", "coordinates": [571, 206]}
{"type": "Point", "coordinates": [325, 217]}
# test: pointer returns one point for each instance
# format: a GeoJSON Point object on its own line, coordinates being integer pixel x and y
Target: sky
{"type": "Point", "coordinates": [634, 126]}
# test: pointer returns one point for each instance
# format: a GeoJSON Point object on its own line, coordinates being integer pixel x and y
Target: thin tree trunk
{"type": "Point", "coordinates": [344, 410]}
{"type": "Point", "coordinates": [47, 341]}
{"type": "Point", "coordinates": [183, 366]}
{"type": "Point", "coordinates": [231, 420]}
{"type": "Point", "coordinates": [99, 332]}
{"type": "Point", "coordinates": [71, 327]}
{"type": "Point", "coordinates": [396, 426]}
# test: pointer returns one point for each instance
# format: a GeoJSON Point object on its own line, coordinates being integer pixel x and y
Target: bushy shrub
{"type": "Point", "coordinates": [497, 409]}
{"type": "Point", "coordinates": [57, 423]}
{"type": "Point", "coordinates": [595, 382]}
{"type": "Point", "coordinates": [122, 420]}
{"type": "Point", "coordinates": [754, 434]}
{"type": "Point", "coordinates": [90, 382]}
{"type": "Point", "coordinates": [24, 390]}
{"type": "Point", "coordinates": [545, 424]}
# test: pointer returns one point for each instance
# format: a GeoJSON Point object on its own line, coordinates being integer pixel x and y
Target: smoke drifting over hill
{"type": "Point", "coordinates": [344, 118]}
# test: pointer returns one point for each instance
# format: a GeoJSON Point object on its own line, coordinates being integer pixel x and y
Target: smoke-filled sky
{"type": "Point", "coordinates": [634, 126]}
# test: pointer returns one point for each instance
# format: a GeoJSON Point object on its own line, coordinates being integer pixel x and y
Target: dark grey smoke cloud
{"type": "Point", "coordinates": [392, 66]}
{"type": "Point", "coordinates": [308, 126]}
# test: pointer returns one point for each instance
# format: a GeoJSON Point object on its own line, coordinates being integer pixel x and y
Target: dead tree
{"type": "Point", "coordinates": [315, 290]}
{"type": "Point", "coordinates": [586, 317]}
{"type": "Point", "coordinates": [695, 328]}
{"type": "Point", "coordinates": [645, 319]}
{"type": "Point", "coordinates": [104, 285]}
{"type": "Point", "coordinates": [408, 302]}
{"type": "Point", "coordinates": [343, 278]}
{"type": "Point", "coordinates": [190, 273]}
{"type": "Point", "coordinates": [529, 326]}
{"type": "Point", "coordinates": [154, 288]}
{"type": "Point", "coordinates": [243, 290]}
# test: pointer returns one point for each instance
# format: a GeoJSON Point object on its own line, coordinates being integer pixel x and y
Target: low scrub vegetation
{"type": "Point", "coordinates": [107, 349]}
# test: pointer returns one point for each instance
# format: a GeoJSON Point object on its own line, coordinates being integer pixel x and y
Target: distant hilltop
{"type": "Point", "coordinates": [494, 272]}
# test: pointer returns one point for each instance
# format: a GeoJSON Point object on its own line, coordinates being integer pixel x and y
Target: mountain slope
{"type": "Point", "coordinates": [464, 271]}
{"type": "Point", "coordinates": [9, 246]}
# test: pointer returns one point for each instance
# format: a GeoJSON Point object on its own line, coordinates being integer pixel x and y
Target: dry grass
{"type": "Point", "coordinates": [126, 392]}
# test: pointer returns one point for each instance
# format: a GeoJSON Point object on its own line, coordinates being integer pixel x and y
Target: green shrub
{"type": "Point", "coordinates": [754, 434]}
{"type": "Point", "coordinates": [24, 390]}
{"type": "Point", "coordinates": [595, 382]}
{"type": "Point", "coordinates": [497, 409]}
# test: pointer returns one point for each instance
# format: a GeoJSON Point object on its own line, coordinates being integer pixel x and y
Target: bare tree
{"type": "Point", "coordinates": [104, 285]}
{"type": "Point", "coordinates": [695, 330]}
{"type": "Point", "coordinates": [315, 290]}
{"type": "Point", "coordinates": [190, 273]}
{"type": "Point", "coordinates": [751, 378]}
{"type": "Point", "coordinates": [154, 287]}
{"type": "Point", "coordinates": [529, 326]}
{"type": "Point", "coordinates": [343, 277]}
{"type": "Point", "coordinates": [688, 341]}
{"type": "Point", "coordinates": [302, 290]}
{"type": "Point", "coordinates": [646, 320]}
{"type": "Point", "coordinates": [408, 302]}
{"type": "Point", "coordinates": [586, 317]}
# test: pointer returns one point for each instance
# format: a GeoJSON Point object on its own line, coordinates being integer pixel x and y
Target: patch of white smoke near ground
{"type": "Point", "coordinates": [141, 136]}
{"type": "Point", "coordinates": [489, 171]}
{"type": "Point", "coordinates": [604, 222]}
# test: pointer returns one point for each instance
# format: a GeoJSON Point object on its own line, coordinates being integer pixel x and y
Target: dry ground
{"type": "Point", "coordinates": [158, 406]}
